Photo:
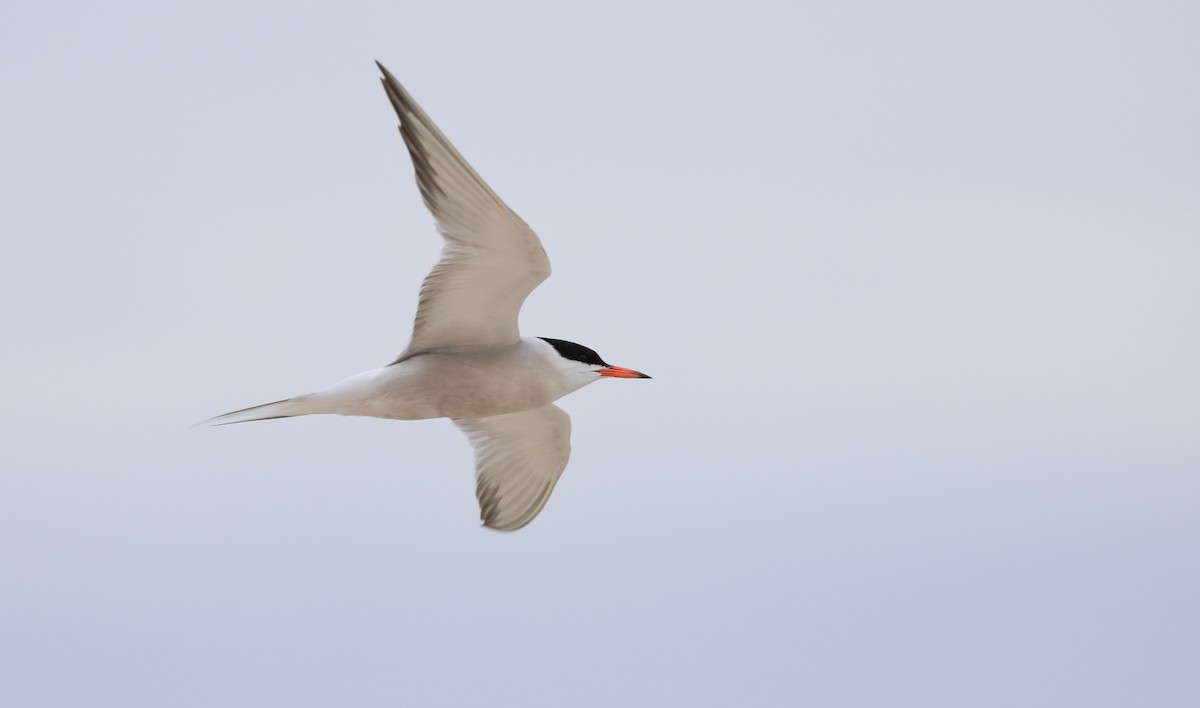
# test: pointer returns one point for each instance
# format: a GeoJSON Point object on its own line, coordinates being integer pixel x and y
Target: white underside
{"type": "Point", "coordinates": [501, 397]}
{"type": "Point", "coordinates": [460, 382]}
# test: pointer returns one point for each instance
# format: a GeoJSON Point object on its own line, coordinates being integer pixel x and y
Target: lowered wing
{"type": "Point", "coordinates": [518, 460]}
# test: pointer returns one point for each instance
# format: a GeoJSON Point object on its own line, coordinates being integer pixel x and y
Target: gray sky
{"type": "Point", "coordinates": [918, 283]}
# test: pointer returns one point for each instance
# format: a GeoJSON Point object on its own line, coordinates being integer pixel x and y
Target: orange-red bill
{"type": "Point", "coordinates": [619, 372]}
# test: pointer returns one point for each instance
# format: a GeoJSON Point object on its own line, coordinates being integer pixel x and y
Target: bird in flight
{"type": "Point", "coordinates": [466, 360]}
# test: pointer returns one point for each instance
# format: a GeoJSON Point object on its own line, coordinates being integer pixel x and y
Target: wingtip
{"type": "Point", "coordinates": [503, 529]}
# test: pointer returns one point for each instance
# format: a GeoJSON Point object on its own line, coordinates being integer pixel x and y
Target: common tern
{"type": "Point", "coordinates": [466, 360]}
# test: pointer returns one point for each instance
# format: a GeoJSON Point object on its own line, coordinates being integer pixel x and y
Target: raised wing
{"type": "Point", "coordinates": [518, 460]}
{"type": "Point", "coordinates": [491, 260]}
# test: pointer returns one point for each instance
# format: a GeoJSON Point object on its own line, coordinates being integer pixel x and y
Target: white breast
{"type": "Point", "coordinates": [456, 383]}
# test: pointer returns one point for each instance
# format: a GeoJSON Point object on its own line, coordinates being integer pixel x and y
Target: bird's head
{"type": "Point", "coordinates": [585, 366]}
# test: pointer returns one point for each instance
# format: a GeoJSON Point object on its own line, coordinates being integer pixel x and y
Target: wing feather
{"type": "Point", "coordinates": [518, 460]}
{"type": "Point", "coordinates": [491, 260]}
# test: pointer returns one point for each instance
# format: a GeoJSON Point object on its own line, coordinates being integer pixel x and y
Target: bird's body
{"type": "Point", "coordinates": [466, 360]}
{"type": "Point", "coordinates": [456, 382]}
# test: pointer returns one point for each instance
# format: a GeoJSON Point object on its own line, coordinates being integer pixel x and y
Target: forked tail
{"type": "Point", "coordinates": [286, 408]}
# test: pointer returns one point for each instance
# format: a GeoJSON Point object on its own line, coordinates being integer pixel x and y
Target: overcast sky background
{"type": "Point", "coordinates": [919, 285]}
